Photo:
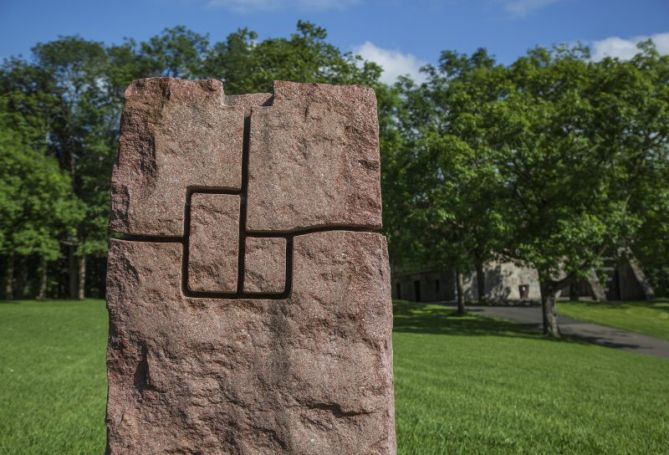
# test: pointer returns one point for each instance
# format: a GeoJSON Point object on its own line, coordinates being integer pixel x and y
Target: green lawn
{"type": "Point", "coordinates": [52, 377]}
{"type": "Point", "coordinates": [651, 319]}
{"type": "Point", "coordinates": [463, 385]}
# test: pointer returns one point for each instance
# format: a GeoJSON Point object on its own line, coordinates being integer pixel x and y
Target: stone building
{"type": "Point", "coordinates": [508, 282]}
{"type": "Point", "coordinates": [624, 281]}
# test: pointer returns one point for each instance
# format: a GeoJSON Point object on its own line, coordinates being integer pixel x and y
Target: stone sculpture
{"type": "Point", "coordinates": [249, 294]}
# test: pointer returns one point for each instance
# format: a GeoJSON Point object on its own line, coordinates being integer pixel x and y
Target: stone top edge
{"type": "Point", "coordinates": [286, 90]}
{"type": "Point", "coordinates": [167, 87]}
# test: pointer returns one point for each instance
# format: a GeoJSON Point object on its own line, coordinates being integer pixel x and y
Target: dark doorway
{"type": "Point", "coordinates": [416, 290]}
{"type": "Point", "coordinates": [613, 286]}
{"type": "Point", "coordinates": [398, 290]}
{"type": "Point", "coordinates": [436, 286]}
{"type": "Point", "coordinates": [524, 291]}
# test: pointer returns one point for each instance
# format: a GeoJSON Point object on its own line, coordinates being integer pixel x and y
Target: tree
{"type": "Point", "coordinates": [553, 162]}
{"type": "Point", "coordinates": [453, 180]}
{"type": "Point", "coordinates": [248, 66]}
{"type": "Point", "coordinates": [176, 52]}
{"type": "Point", "coordinates": [572, 143]}
{"type": "Point", "coordinates": [82, 137]}
{"type": "Point", "coordinates": [37, 207]}
{"type": "Point", "coordinates": [643, 130]}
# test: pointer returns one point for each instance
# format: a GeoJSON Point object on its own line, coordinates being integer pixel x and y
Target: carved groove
{"type": "Point", "coordinates": [242, 192]}
{"type": "Point", "coordinates": [243, 203]}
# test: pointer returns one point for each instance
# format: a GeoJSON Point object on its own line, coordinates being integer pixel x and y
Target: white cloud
{"type": "Point", "coordinates": [521, 8]}
{"type": "Point", "coordinates": [625, 49]}
{"type": "Point", "coordinates": [247, 6]}
{"type": "Point", "coordinates": [393, 62]}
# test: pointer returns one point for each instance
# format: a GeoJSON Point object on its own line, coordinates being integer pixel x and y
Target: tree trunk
{"type": "Point", "coordinates": [82, 277]}
{"type": "Point", "coordinates": [21, 283]}
{"type": "Point", "coordinates": [549, 294]}
{"type": "Point", "coordinates": [459, 292]}
{"type": "Point", "coordinates": [72, 272]}
{"type": "Point", "coordinates": [9, 277]}
{"type": "Point", "coordinates": [480, 282]}
{"type": "Point", "coordinates": [43, 277]}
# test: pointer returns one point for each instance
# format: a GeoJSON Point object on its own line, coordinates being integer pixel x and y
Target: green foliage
{"type": "Point", "coordinates": [248, 66]}
{"type": "Point", "coordinates": [176, 52]}
{"type": "Point", "coordinates": [82, 128]}
{"type": "Point", "coordinates": [648, 104]}
{"type": "Point", "coordinates": [579, 144]}
{"type": "Point", "coordinates": [554, 161]}
{"type": "Point", "coordinates": [560, 185]}
{"type": "Point", "coordinates": [36, 204]}
{"type": "Point", "coordinates": [452, 176]}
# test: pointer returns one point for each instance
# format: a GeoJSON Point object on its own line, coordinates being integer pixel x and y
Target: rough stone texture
{"type": "Point", "coordinates": [315, 159]}
{"type": "Point", "coordinates": [305, 375]}
{"type": "Point", "coordinates": [174, 134]}
{"type": "Point", "coordinates": [299, 361]}
{"type": "Point", "coordinates": [246, 102]}
{"type": "Point", "coordinates": [214, 242]}
{"type": "Point", "coordinates": [265, 265]}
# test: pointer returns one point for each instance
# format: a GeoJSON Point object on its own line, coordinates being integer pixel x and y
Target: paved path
{"type": "Point", "coordinates": [593, 333]}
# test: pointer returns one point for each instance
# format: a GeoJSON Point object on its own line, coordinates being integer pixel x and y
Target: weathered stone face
{"type": "Point", "coordinates": [265, 264]}
{"type": "Point", "coordinates": [314, 159]}
{"type": "Point", "coordinates": [175, 134]}
{"type": "Point", "coordinates": [249, 303]}
{"type": "Point", "coordinates": [213, 242]}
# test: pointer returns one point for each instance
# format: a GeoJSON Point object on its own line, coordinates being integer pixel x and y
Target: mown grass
{"type": "Point", "coordinates": [476, 385]}
{"type": "Point", "coordinates": [52, 377]}
{"type": "Point", "coordinates": [648, 318]}
{"type": "Point", "coordinates": [463, 385]}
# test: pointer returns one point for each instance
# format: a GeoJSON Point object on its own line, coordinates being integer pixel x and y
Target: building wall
{"type": "Point", "coordinates": [629, 286]}
{"type": "Point", "coordinates": [424, 287]}
{"type": "Point", "coordinates": [502, 282]}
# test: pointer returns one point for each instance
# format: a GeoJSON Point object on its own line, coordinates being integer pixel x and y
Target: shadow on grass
{"type": "Point", "coordinates": [416, 317]}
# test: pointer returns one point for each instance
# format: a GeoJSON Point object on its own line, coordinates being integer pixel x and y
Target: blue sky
{"type": "Point", "coordinates": [401, 35]}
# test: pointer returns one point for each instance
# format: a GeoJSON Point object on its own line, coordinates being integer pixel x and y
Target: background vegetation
{"type": "Point", "coordinates": [555, 161]}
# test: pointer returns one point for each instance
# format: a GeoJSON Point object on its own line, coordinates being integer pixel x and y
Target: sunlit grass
{"type": "Point", "coordinates": [643, 317]}
{"type": "Point", "coordinates": [52, 377]}
{"type": "Point", "coordinates": [463, 385]}
{"type": "Point", "coordinates": [474, 385]}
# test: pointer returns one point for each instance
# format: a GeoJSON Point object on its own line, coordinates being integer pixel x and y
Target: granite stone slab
{"type": "Point", "coordinates": [249, 291]}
